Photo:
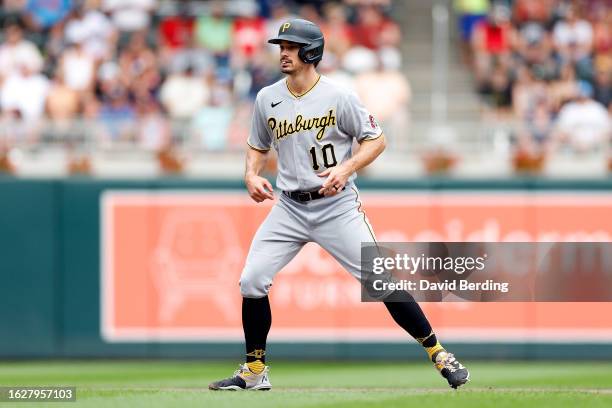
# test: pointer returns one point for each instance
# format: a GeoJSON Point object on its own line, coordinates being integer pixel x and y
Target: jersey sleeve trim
{"type": "Point", "coordinates": [259, 149]}
{"type": "Point", "coordinates": [371, 138]}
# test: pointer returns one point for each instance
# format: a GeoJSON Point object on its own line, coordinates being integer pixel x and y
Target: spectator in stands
{"type": "Point", "coordinates": [602, 30]}
{"type": "Point", "coordinates": [565, 88]}
{"type": "Point", "coordinates": [471, 12]}
{"type": "Point", "coordinates": [63, 103]}
{"type": "Point", "coordinates": [526, 92]}
{"type": "Point", "coordinates": [249, 37]}
{"type": "Point", "coordinates": [13, 8]}
{"type": "Point", "coordinates": [176, 31]}
{"type": "Point", "coordinates": [499, 88]}
{"type": "Point", "coordinates": [360, 59]}
{"type": "Point", "coordinates": [17, 53]}
{"type": "Point", "coordinates": [138, 66]}
{"type": "Point", "coordinates": [373, 30]}
{"type": "Point", "coordinates": [221, 92]}
{"type": "Point", "coordinates": [107, 75]}
{"type": "Point", "coordinates": [200, 60]}
{"type": "Point", "coordinates": [583, 124]}
{"type": "Point", "coordinates": [310, 12]}
{"type": "Point", "coordinates": [78, 68]}
{"type": "Point", "coordinates": [603, 87]}
{"type": "Point", "coordinates": [184, 93]}
{"type": "Point", "coordinates": [147, 84]}
{"type": "Point", "coordinates": [116, 114]}
{"type": "Point", "coordinates": [129, 15]}
{"type": "Point", "coordinates": [336, 30]}
{"type": "Point", "coordinates": [491, 45]}
{"type": "Point", "coordinates": [573, 40]}
{"type": "Point", "coordinates": [537, 128]}
{"type": "Point", "coordinates": [373, 38]}
{"type": "Point", "coordinates": [386, 93]}
{"type": "Point", "coordinates": [239, 127]}
{"type": "Point", "coordinates": [93, 30]}
{"type": "Point", "coordinates": [210, 125]}
{"type": "Point", "coordinates": [535, 11]}
{"type": "Point", "coordinates": [260, 74]}
{"type": "Point", "coordinates": [43, 14]}
{"type": "Point", "coordinates": [252, 60]}
{"type": "Point", "coordinates": [214, 33]}
{"type": "Point", "coordinates": [25, 91]}
{"type": "Point", "coordinates": [54, 47]}
{"type": "Point", "coordinates": [154, 133]}
{"type": "Point", "coordinates": [330, 67]}
{"type": "Point", "coordinates": [540, 122]}
{"type": "Point", "coordinates": [534, 49]}
{"type": "Point", "coordinates": [62, 108]}
{"type": "Point", "coordinates": [90, 107]}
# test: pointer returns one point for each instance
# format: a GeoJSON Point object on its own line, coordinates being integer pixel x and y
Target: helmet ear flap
{"type": "Point", "coordinates": [311, 53]}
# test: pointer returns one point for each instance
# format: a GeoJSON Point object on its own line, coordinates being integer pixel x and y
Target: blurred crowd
{"type": "Point", "coordinates": [547, 63]}
{"type": "Point", "coordinates": [153, 72]}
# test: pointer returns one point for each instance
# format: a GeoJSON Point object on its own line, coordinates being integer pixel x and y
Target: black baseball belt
{"type": "Point", "coordinates": [304, 196]}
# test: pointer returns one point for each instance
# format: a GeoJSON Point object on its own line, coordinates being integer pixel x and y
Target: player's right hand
{"type": "Point", "coordinates": [259, 188]}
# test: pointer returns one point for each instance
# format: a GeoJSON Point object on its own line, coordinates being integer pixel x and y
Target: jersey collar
{"type": "Point", "coordinates": [299, 96]}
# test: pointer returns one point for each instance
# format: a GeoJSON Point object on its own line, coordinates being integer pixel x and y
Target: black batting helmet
{"type": "Point", "coordinates": [305, 33]}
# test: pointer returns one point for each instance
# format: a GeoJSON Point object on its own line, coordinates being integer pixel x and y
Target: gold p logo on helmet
{"type": "Point", "coordinates": [285, 27]}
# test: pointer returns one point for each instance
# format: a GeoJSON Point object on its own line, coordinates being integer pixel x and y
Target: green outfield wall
{"type": "Point", "coordinates": [50, 275]}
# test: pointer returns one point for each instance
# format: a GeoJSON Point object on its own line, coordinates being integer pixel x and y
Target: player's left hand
{"type": "Point", "coordinates": [336, 180]}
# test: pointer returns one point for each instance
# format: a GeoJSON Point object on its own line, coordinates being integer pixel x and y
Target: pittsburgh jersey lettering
{"type": "Point", "coordinates": [285, 128]}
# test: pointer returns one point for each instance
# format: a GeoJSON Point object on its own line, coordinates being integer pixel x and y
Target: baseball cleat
{"type": "Point", "coordinates": [244, 379]}
{"type": "Point", "coordinates": [451, 369]}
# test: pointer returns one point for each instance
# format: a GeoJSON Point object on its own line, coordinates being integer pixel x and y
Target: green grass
{"type": "Point", "coordinates": [153, 384]}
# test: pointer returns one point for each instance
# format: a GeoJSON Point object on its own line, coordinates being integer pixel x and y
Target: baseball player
{"type": "Point", "coordinates": [312, 122]}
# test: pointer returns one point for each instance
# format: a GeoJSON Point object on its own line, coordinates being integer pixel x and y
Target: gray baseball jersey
{"type": "Point", "coordinates": [310, 132]}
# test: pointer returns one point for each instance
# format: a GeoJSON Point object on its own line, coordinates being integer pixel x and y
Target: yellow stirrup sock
{"type": "Point", "coordinates": [256, 366]}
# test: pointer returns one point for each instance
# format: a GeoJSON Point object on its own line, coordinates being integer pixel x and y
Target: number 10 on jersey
{"type": "Point", "coordinates": [329, 157]}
